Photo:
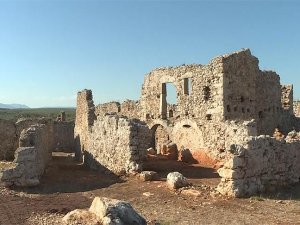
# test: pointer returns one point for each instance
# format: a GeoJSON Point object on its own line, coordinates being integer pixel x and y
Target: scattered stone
{"type": "Point", "coordinates": [105, 211]}
{"type": "Point", "coordinates": [148, 194]}
{"type": "Point", "coordinates": [148, 176]}
{"type": "Point", "coordinates": [176, 180]}
{"type": "Point", "coordinates": [191, 192]}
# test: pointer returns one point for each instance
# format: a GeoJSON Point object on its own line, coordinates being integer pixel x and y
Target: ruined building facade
{"type": "Point", "coordinates": [226, 114]}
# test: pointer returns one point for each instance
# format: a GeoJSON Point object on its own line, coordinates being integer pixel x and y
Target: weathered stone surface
{"type": "Point", "coordinates": [117, 144]}
{"type": "Point", "coordinates": [148, 176]}
{"type": "Point", "coordinates": [265, 162]}
{"type": "Point", "coordinates": [176, 180]}
{"type": "Point", "coordinates": [112, 211]}
{"type": "Point", "coordinates": [81, 216]}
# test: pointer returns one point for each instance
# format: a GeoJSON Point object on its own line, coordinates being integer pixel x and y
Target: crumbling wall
{"type": "Point", "coordinates": [10, 133]}
{"type": "Point", "coordinates": [31, 158]}
{"type": "Point", "coordinates": [117, 144]}
{"type": "Point", "coordinates": [85, 116]}
{"type": "Point", "coordinates": [268, 102]}
{"type": "Point", "coordinates": [260, 163]}
{"type": "Point", "coordinates": [240, 71]}
{"type": "Point", "coordinates": [198, 90]}
{"type": "Point", "coordinates": [297, 108]}
{"type": "Point", "coordinates": [109, 107]}
{"type": "Point", "coordinates": [128, 108]}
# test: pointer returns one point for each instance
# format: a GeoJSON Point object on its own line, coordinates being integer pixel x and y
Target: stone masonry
{"type": "Point", "coordinates": [10, 133]}
{"type": "Point", "coordinates": [110, 142]}
{"type": "Point", "coordinates": [117, 144]}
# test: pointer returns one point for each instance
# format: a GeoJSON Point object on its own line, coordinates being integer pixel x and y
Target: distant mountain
{"type": "Point", "coordinates": [13, 106]}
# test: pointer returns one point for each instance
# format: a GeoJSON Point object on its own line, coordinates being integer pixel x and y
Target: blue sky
{"type": "Point", "coordinates": [49, 50]}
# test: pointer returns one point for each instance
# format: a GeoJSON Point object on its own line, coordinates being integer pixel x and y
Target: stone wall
{"type": "Point", "coordinates": [10, 133]}
{"type": "Point", "coordinates": [258, 164]}
{"type": "Point", "coordinates": [297, 108]}
{"type": "Point", "coordinates": [117, 144]}
{"type": "Point", "coordinates": [31, 158]}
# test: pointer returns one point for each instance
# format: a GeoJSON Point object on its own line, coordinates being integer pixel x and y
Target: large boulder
{"type": "Point", "coordinates": [113, 212]}
{"type": "Point", "coordinates": [176, 180]}
{"type": "Point", "coordinates": [105, 211]}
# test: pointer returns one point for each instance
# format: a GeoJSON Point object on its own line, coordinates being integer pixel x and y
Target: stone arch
{"type": "Point", "coordinates": [190, 138]}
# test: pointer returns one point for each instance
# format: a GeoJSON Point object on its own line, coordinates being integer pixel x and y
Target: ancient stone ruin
{"type": "Point", "coordinates": [225, 116]}
{"type": "Point", "coordinates": [229, 114]}
{"type": "Point", "coordinates": [29, 143]}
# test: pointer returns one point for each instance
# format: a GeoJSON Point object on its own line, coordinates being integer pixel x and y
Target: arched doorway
{"type": "Point", "coordinates": [160, 137]}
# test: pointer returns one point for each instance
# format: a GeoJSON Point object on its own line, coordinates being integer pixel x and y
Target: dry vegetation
{"type": "Point", "coordinates": [15, 114]}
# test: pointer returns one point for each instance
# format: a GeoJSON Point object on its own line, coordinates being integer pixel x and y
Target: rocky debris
{"type": "Point", "coordinates": [148, 176]}
{"type": "Point", "coordinates": [105, 211]}
{"type": "Point", "coordinates": [176, 180]}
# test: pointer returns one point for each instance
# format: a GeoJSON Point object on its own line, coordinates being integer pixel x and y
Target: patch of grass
{"type": "Point", "coordinates": [15, 114]}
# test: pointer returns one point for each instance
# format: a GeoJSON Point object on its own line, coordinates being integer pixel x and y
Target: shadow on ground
{"type": "Point", "coordinates": [65, 175]}
{"type": "Point", "coordinates": [290, 192]}
{"type": "Point", "coordinates": [191, 171]}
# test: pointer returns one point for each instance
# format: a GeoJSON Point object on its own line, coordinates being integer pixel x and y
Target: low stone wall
{"type": "Point", "coordinates": [117, 144]}
{"type": "Point", "coordinates": [260, 163]}
{"type": "Point", "coordinates": [31, 158]}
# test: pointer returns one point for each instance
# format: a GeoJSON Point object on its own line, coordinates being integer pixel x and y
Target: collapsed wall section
{"type": "Point", "coordinates": [31, 158]}
{"type": "Point", "coordinates": [117, 144]}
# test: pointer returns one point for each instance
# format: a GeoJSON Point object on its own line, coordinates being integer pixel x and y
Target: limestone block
{"type": "Point", "coordinates": [108, 210]}
{"type": "Point", "coordinates": [80, 216]}
{"type": "Point", "coordinates": [176, 180]}
{"type": "Point", "coordinates": [148, 176]}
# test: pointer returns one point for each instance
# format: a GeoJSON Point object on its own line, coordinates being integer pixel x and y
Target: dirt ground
{"type": "Point", "coordinates": [67, 186]}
